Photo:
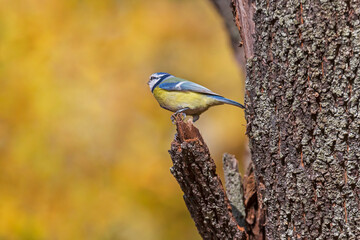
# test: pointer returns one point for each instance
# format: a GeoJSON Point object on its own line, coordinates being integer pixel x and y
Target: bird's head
{"type": "Point", "coordinates": [156, 78]}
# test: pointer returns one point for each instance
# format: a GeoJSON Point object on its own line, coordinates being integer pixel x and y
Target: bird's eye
{"type": "Point", "coordinates": [152, 78]}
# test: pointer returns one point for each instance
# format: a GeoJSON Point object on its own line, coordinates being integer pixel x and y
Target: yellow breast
{"type": "Point", "coordinates": [174, 101]}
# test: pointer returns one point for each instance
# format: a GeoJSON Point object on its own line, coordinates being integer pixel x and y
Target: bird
{"type": "Point", "coordinates": [182, 96]}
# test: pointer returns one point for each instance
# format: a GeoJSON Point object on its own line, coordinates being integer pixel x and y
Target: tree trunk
{"type": "Point", "coordinates": [302, 109]}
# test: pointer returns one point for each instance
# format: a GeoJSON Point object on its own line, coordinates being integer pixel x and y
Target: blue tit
{"type": "Point", "coordinates": [182, 96]}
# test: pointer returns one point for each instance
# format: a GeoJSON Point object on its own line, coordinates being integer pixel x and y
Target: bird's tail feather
{"type": "Point", "coordinates": [228, 101]}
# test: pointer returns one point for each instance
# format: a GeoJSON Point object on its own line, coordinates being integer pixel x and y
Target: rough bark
{"type": "Point", "coordinates": [204, 194]}
{"type": "Point", "coordinates": [303, 99]}
{"type": "Point", "coordinates": [255, 216]}
{"type": "Point", "coordinates": [302, 109]}
{"type": "Point", "coordinates": [243, 11]}
{"type": "Point", "coordinates": [234, 188]}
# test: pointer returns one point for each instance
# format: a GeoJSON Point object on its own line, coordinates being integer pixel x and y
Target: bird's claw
{"type": "Point", "coordinates": [173, 120]}
{"type": "Point", "coordinates": [173, 117]}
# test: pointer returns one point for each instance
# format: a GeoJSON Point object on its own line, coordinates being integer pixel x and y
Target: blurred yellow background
{"type": "Point", "coordinates": [83, 143]}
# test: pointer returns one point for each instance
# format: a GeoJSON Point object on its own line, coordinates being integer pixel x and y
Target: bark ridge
{"type": "Point", "coordinates": [204, 194]}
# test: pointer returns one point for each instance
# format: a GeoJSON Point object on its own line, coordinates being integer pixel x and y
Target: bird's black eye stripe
{"type": "Point", "coordinates": [159, 81]}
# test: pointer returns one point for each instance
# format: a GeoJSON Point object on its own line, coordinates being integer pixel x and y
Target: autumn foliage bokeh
{"type": "Point", "coordinates": [83, 144]}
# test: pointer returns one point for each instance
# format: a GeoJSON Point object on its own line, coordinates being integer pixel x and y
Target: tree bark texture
{"type": "Point", "coordinates": [243, 11]}
{"type": "Point", "coordinates": [234, 188]}
{"type": "Point", "coordinates": [254, 212]}
{"type": "Point", "coordinates": [302, 108]}
{"type": "Point", "coordinates": [204, 194]}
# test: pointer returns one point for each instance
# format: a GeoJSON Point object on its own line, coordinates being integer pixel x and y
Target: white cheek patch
{"type": "Point", "coordinates": [152, 83]}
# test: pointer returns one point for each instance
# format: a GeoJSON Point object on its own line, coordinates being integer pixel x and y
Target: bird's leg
{"type": "Point", "coordinates": [195, 118]}
{"type": "Point", "coordinates": [177, 112]}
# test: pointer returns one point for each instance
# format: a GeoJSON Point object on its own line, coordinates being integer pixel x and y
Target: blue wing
{"type": "Point", "coordinates": [185, 86]}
